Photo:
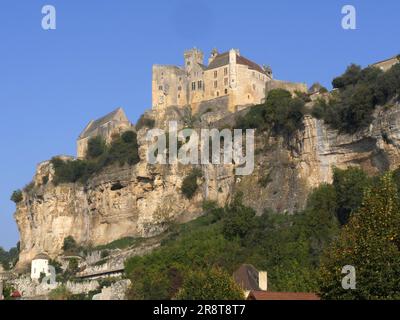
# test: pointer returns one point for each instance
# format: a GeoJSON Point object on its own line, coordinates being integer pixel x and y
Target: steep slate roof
{"type": "Point", "coordinates": [247, 277]}
{"type": "Point", "coordinates": [223, 59]}
{"type": "Point", "coordinates": [93, 125]}
{"type": "Point", "coordinates": [266, 295]}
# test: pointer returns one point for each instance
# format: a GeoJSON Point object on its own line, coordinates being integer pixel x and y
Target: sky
{"type": "Point", "coordinates": [53, 82]}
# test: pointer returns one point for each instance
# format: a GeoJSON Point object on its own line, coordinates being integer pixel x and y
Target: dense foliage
{"type": "Point", "coordinates": [286, 245]}
{"type": "Point", "coordinates": [122, 150]}
{"type": "Point", "coordinates": [281, 114]}
{"type": "Point", "coordinates": [371, 243]}
{"type": "Point", "coordinates": [17, 196]}
{"type": "Point", "coordinates": [359, 91]}
{"type": "Point", "coordinates": [214, 284]}
{"type": "Point", "coordinates": [9, 258]}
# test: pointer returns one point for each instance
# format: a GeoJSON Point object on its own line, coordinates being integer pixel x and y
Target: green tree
{"type": "Point", "coordinates": [371, 243]}
{"type": "Point", "coordinates": [214, 284]}
{"type": "Point", "coordinates": [70, 245]}
{"type": "Point", "coordinates": [96, 147]}
{"type": "Point", "coordinates": [349, 186]}
{"type": "Point", "coordinates": [239, 219]}
{"type": "Point", "coordinates": [17, 196]}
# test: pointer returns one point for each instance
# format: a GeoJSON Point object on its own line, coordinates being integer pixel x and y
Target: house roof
{"type": "Point", "coordinates": [247, 277]}
{"type": "Point", "coordinates": [267, 295]}
{"type": "Point", "coordinates": [42, 256]}
{"type": "Point", "coordinates": [222, 59]}
{"type": "Point", "coordinates": [93, 125]}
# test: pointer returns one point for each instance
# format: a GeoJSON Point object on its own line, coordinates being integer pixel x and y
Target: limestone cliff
{"type": "Point", "coordinates": [141, 200]}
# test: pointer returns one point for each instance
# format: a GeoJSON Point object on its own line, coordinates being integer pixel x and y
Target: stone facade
{"type": "Point", "coordinates": [227, 74]}
{"type": "Point", "coordinates": [106, 127]}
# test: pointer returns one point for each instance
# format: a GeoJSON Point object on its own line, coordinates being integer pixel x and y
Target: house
{"type": "Point", "coordinates": [106, 127]}
{"type": "Point", "coordinates": [250, 279]}
{"type": "Point", "coordinates": [39, 266]}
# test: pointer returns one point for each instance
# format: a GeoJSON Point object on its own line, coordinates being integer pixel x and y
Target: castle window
{"type": "Point", "coordinates": [254, 87]}
{"type": "Point", "coordinates": [225, 71]}
{"type": "Point", "coordinates": [215, 74]}
{"type": "Point", "coordinates": [254, 74]}
{"type": "Point", "coordinates": [226, 81]}
{"type": "Point", "coordinates": [215, 84]}
{"type": "Point", "coordinates": [160, 87]}
{"type": "Point", "coordinates": [179, 96]}
{"type": "Point", "coordinates": [179, 88]}
{"type": "Point", "coordinates": [193, 86]}
{"type": "Point", "coordinates": [199, 84]}
{"type": "Point", "coordinates": [180, 79]}
{"type": "Point", "coordinates": [217, 93]}
{"type": "Point", "coordinates": [226, 91]}
{"type": "Point", "coordinates": [188, 63]}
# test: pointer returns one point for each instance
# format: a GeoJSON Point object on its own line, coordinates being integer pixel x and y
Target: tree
{"type": "Point", "coordinates": [17, 196]}
{"type": "Point", "coordinates": [239, 219]}
{"type": "Point", "coordinates": [214, 284]}
{"type": "Point", "coordinates": [96, 147]}
{"type": "Point", "coordinates": [349, 186]}
{"type": "Point", "coordinates": [70, 245]}
{"type": "Point", "coordinates": [371, 243]}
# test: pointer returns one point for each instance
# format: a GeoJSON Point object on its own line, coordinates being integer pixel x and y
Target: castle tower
{"type": "Point", "coordinates": [193, 56]}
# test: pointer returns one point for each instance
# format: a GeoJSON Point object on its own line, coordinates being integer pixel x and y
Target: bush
{"type": "Point", "coordinates": [70, 245]}
{"type": "Point", "coordinates": [17, 196]}
{"type": "Point", "coordinates": [360, 91]}
{"type": "Point", "coordinates": [122, 150]}
{"type": "Point", "coordinates": [189, 184]}
{"type": "Point", "coordinates": [281, 114]}
{"type": "Point", "coordinates": [214, 284]}
{"type": "Point", "coordinates": [96, 147]}
{"type": "Point", "coordinates": [60, 293]}
{"type": "Point", "coordinates": [238, 220]}
{"type": "Point", "coordinates": [145, 122]}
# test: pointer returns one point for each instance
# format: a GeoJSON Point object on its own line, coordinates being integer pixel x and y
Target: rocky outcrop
{"type": "Point", "coordinates": [141, 200]}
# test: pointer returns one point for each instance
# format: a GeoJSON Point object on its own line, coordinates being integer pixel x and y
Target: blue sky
{"type": "Point", "coordinates": [100, 56]}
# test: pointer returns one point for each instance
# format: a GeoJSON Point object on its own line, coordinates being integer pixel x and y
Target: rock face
{"type": "Point", "coordinates": [142, 200]}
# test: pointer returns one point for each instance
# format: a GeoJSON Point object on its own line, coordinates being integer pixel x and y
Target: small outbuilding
{"type": "Point", "coordinates": [39, 266]}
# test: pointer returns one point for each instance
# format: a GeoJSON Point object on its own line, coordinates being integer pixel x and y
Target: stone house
{"type": "Point", "coordinates": [106, 127]}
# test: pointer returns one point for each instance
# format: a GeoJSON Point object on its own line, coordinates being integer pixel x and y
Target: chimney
{"type": "Point", "coordinates": [263, 280]}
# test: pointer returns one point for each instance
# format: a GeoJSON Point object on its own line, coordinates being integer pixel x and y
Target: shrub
{"type": "Point", "coordinates": [70, 245]}
{"type": "Point", "coordinates": [238, 220]}
{"type": "Point", "coordinates": [123, 150]}
{"type": "Point", "coordinates": [360, 91]}
{"type": "Point", "coordinates": [60, 293]}
{"type": "Point", "coordinates": [17, 196]}
{"type": "Point", "coordinates": [281, 114]}
{"type": "Point", "coordinates": [214, 284]}
{"type": "Point", "coordinates": [145, 122]}
{"type": "Point", "coordinates": [189, 184]}
{"type": "Point", "coordinates": [96, 147]}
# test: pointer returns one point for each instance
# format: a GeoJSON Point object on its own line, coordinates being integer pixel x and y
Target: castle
{"type": "Point", "coordinates": [228, 74]}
